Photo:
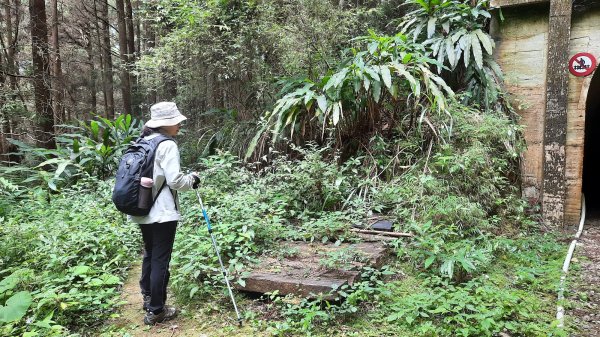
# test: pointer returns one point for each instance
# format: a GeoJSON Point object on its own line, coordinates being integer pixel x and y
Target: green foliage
{"type": "Point", "coordinates": [15, 307]}
{"type": "Point", "coordinates": [11, 107]}
{"type": "Point", "coordinates": [457, 195]}
{"type": "Point", "coordinates": [99, 146]}
{"type": "Point", "coordinates": [307, 316]}
{"type": "Point", "coordinates": [455, 32]}
{"type": "Point", "coordinates": [342, 258]}
{"type": "Point", "coordinates": [374, 126]}
{"type": "Point", "coordinates": [398, 301]}
{"type": "Point", "coordinates": [224, 58]}
{"type": "Point", "coordinates": [298, 199]}
{"type": "Point", "coordinates": [360, 93]}
{"type": "Point", "coordinates": [47, 167]}
{"type": "Point", "coordinates": [69, 255]}
{"type": "Point", "coordinates": [454, 29]}
{"type": "Point", "coordinates": [95, 151]}
{"type": "Point", "coordinates": [477, 308]}
{"type": "Point", "coordinates": [502, 300]}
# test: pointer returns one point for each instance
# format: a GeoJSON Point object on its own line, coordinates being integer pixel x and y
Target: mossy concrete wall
{"type": "Point", "coordinates": [521, 50]}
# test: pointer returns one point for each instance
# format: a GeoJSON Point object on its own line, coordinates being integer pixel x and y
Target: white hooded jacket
{"type": "Point", "coordinates": [166, 167]}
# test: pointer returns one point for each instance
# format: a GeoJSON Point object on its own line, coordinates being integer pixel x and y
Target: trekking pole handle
{"type": "Point", "coordinates": [206, 218]}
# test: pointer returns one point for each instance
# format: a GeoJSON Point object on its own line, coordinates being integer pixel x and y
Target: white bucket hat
{"type": "Point", "coordinates": [164, 114]}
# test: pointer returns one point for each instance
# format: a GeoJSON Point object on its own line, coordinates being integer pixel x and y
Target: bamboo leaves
{"type": "Point", "coordinates": [336, 80]}
{"type": "Point", "coordinates": [431, 26]}
{"type": "Point", "coordinates": [486, 40]}
{"type": "Point", "coordinates": [415, 86]}
{"type": "Point", "coordinates": [322, 102]}
{"type": "Point", "coordinates": [451, 53]}
{"type": "Point", "coordinates": [386, 76]}
{"type": "Point", "coordinates": [337, 112]}
{"type": "Point", "coordinates": [371, 79]}
{"type": "Point", "coordinates": [454, 30]}
{"type": "Point", "coordinates": [466, 45]}
{"type": "Point", "coordinates": [476, 48]}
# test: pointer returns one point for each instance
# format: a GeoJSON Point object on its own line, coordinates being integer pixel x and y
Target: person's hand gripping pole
{"type": "Point", "coordinates": [214, 243]}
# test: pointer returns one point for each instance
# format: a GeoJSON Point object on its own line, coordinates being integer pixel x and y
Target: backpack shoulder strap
{"type": "Point", "coordinates": [155, 142]}
{"type": "Point", "coordinates": [159, 139]}
{"type": "Point", "coordinates": [158, 192]}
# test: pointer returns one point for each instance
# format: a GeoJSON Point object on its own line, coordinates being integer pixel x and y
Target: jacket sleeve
{"type": "Point", "coordinates": [169, 161]}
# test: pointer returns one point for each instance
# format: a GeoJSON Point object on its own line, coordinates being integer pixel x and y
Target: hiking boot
{"type": "Point", "coordinates": [168, 313]}
{"type": "Point", "coordinates": [146, 302]}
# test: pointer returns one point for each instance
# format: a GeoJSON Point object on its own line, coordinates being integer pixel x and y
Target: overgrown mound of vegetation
{"type": "Point", "coordinates": [471, 268]}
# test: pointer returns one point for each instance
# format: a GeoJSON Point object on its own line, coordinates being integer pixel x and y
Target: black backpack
{"type": "Point", "coordinates": [138, 161]}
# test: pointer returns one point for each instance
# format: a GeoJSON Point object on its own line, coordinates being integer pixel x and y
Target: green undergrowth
{"type": "Point", "coordinates": [516, 295]}
{"type": "Point", "coordinates": [470, 270]}
{"type": "Point", "coordinates": [63, 258]}
{"type": "Point", "coordinates": [476, 265]}
{"type": "Point", "coordinates": [465, 273]}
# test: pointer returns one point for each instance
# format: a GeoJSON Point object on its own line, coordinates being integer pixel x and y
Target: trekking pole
{"type": "Point", "coordinates": [214, 243]}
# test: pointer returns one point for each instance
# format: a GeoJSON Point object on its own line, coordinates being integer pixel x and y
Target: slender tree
{"type": "Point", "coordinates": [9, 33]}
{"type": "Point", "coordinates": [107, 65]}
{"type": "Point", "coordinates": [57, 75]}
{"type": "Point", "coordinates": [149, 37]}
{"type": "Point", "coordinates": [9, 47]}
{"type": "Point", "coordinates": [123, 52]}
{"type": "Point", "coordinates": [41, 74]}
{"type": "Point", "coordinates": [91, 83]}
{"type": "Point", "coordinates": [137, 31]}
{"type": "Point", "coordinates": [3, 116]}
{"type": "Point", "coordinates": [132, 53]}
{"type": "Point", "coordinates": [130, 31]}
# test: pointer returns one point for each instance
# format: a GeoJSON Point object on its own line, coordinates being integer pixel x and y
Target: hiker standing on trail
{"type": "Point", "coordinates": [158, 227]}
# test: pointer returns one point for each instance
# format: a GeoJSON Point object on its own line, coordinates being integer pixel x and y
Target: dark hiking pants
{"type": "Point", "coordinates": [158, 245]}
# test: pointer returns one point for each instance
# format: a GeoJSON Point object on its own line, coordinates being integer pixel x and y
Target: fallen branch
{"type": "Point", "coordinates": [394, 234]}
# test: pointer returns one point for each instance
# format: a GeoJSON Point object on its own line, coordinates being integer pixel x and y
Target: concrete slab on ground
{"type": "Point", "coordinates": [314, 269]}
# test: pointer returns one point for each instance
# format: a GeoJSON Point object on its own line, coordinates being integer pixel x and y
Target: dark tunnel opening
{"type": "Point", "coordinates": [591, 154]}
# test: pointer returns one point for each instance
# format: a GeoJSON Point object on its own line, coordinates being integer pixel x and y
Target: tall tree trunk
{"type": "Point", "coordinates": [138, 32]}
{"type": "Point", "coordinates": [91, 83]}
{"type": "Point", "coordinates": [41, 74]}
{"type": "Point", "coordinates": [10, 33]}
{"type": "Point", "coordinates": [57, 83]}
{"type": "Point", "coordinates": [95, 34]}
{"type": "Point", "coordinates": [130, 31]}
{"type": "Point", "coordinates": [150, 42]}
{"type": "Point", "coordinates": [123, 45]}
{"type": "Point", "coordinates": [107, 66]}
{"type": "Point", "coordinates": [10, 47]}
{"type": "Point", "coordinates": [133, 53]}
{"type": "Point", "coordinates": [3, 115]}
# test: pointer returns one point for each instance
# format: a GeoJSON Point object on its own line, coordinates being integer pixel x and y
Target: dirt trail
{"type": "Point", "coordinates": [206, 321]}
{"type": "Point", "coordinates": [131, 315]}
{"type": "Point", "coordinates": [586, 293]}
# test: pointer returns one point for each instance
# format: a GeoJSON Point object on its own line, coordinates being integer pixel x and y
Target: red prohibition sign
{"type": "Point", "coordinates": [582, 64]}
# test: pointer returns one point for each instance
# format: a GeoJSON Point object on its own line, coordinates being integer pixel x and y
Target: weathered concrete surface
{"type": "Point", "coordinates": [308, 269]}
{"type": "Point", "coordinates": [585, 37]}
{"type": "Point", "coordinates": [522, 47]}
{"type": "Point", "coordinates": [511, 3]}
{"type": "Point", "coordinates": [521, 51]}
{"type": "Point", "coordinates": [555, 123]}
